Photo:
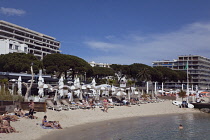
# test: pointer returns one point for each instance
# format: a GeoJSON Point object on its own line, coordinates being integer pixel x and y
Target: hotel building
{"type": "Point", "coordinates": [198, 69]}
{"type": "Point", "coordinates": [14, 38]}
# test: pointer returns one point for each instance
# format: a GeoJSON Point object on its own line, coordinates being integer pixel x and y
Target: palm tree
{"type": "Point", "coordinates": [144, 74]}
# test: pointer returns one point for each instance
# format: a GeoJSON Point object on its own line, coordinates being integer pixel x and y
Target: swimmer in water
{"type": "Point", "coordinates": [180, 126]}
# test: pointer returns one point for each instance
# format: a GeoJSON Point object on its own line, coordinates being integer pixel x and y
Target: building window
{"type": "Point", "coordinates": [25, 49]}
{"type": "Point", "coordinates": [10, 46]}
{"type": "Point", "coordinates": [16, 47]}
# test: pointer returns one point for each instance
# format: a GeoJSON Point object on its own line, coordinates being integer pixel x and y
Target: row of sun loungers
{"type": "Point", "coordinates": [65, 105]}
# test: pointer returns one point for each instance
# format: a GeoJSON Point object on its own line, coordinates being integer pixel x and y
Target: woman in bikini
{"type": "Point", "coordinates": [46, 123]}
{"type": "Point", "coordinates": [105, 103]}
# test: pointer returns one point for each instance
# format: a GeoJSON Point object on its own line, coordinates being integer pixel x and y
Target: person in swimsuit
{"type": "Point", "coordinates": [180, 126]}
{"type": "Point", "coordinates": [31, 109]}
{"type": "Point", "coordinates": [105, 103]}
{"type": "Point", "coordinates": [46, 123]}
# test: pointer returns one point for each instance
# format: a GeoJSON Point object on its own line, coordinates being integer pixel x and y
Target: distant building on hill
{"type": "Point", "coordinates": [198, 69]}
{"type": "Point", "coordinates": [14, 38]}
{"type": "Point", "coordinates": [94, 64]}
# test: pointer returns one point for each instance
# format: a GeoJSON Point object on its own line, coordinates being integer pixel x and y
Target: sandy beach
{"type": "Point", "coordinates": [31, 130]}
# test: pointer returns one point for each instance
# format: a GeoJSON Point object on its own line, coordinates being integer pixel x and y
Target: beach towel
{"type": "Point", "coordinates": [44, 127]}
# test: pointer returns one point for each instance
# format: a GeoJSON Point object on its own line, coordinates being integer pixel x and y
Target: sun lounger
{"type": "Point", "coordinates": [50, 105]}
{"type": "Point", "coordinates": [72, 107]}
{"type": "Point", "coordinates": [99, 105]}
{"type": "Point", "coordinates": [62, 106]}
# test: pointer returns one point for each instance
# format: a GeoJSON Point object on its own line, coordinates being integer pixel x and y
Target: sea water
{"type": "Point", "coordinates": [162, 127]}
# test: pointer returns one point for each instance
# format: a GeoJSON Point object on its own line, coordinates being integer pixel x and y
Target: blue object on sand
{"type": "Point", "coordinates": [44, 127]}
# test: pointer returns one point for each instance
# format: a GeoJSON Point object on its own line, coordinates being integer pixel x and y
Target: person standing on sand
{"type": "Point", "coordinates": [105, 103]}
{"type": "Point", "coordinates": [31, 109]}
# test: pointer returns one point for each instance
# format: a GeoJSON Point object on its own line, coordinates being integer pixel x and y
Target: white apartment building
{"type": "Point", "coordinates": [94, 64]}
{"type": "Point", "coordinates": [10, 46]}
{"type": "Point", "coordinates": [14, 38]}
{"type": "Point", "coordinates": [198, 69]}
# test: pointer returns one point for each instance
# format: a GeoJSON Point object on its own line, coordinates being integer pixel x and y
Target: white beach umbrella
{"type": "Point", "coordinates": [80, 96]}
{"type": "Point", "coordinates": [61, 85]}
{"type": "Point", "coordinates": [113, 90]}
{"type": "Point", "coordinates": [72, 87]}
{"type": "Point", "coordinates": [103, 88]}
{"type": "Point", "coordinates": [84, 87]}
{"type": "Point", "coordinates": [136, 92]}
{"type": "Point", "coordinates": [77, 82]}
{"type": "Point", "coordinates": [70, 96]}
{"type": "Point", "coordinates": [41, 86]}
{"type": "Point", "coordinates": [97, 96]}
{"type": "Point", "coordinates": [121, 93]}
{"type": "Point", "coordinates": [88, 86]}
{"type": "Point", "coordinates": [56, 95]}
{"type": "Point", "coordinates": [19, 86]}
{"type": "Point", "coordinates": [93, 82]}
{"type": "Point", "coordinates": [121, 89]}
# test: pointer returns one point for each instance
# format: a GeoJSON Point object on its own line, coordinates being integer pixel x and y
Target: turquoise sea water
{"type": "Point", "coordinates": [163, 127]}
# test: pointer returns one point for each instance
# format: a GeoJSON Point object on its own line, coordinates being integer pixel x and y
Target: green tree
{"type": "Point", "coordinates": [182, 75]}
{"type": "Point", "coordinates": [101, 72]}
{"type": "Point", "coordinates": [167, 74]}
{"type": "Point", "coordinates": [144, 74]}
{"type": "Point", "coordinates": [111, 82]}
{"type": "Point", "coordinates": [62, 63]}
{"type": "Point", "coordinates": [19, 62]}
{"type": "Point", "coordinates": [121, 71]}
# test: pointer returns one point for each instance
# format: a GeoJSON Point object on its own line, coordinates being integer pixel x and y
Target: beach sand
{"type": "Point", "coordinates": [31, 130]}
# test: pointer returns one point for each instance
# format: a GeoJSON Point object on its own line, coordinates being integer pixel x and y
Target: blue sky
{"type": "Point", "coordinates": [118, 31]}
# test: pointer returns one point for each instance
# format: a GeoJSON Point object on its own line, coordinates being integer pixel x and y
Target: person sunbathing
{"type": "Point", "coordinates": [6, 123]}
{"type": "Point", "coordinates": [92, 104]}
{"type": "Point", "coordinates": [11, 116]}
{"type": "Point", "coordinates": [57, 125]}
{"type": "Point", "coordinates": [3, 128]}
{"type": "Point", "coordinates": [86, 104]}
{"type": "Point", "coordinates": [21, 113]}
{"type": "Point", "coordinates": [80, 105]}
{"type": "Point", "coordinates": [46, 123]}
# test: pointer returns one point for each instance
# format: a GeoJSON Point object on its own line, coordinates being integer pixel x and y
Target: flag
{"type": "Point", "coordinates": [186, 66]}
